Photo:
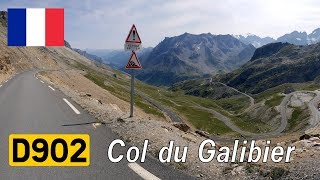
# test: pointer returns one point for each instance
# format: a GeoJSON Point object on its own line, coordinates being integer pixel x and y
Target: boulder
{"type": "Point", "coordinates": [182, 126]}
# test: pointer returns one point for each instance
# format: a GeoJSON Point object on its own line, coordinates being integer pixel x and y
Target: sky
{"type": "Point", "coordinates": [104, 24]}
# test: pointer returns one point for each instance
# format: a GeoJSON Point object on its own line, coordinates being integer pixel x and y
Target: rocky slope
{"type": "Point", "coordinates": [88, 55]}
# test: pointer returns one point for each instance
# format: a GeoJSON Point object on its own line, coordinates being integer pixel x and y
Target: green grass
{"type": "Point", "coordinates": [275, 100]}
{"type": "Point", "coordinates": [250, 124]}
{"type": "Point", "coordinates": [299, 119]}
{"type": "Point", "coordinates": [184, 105]}
{"type": "Point", "coordinates": [311, 87]}
{"type": "Point", "coordinates": [204, 120]}
{"type": "Point", "coordinates": [234, 104]}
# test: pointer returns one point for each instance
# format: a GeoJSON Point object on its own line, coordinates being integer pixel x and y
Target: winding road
{"type": "Point", "coordinates": [312, 105]}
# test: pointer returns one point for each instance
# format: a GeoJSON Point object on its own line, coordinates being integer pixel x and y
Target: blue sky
{"type": "Point", "coordinates": [104, 24]}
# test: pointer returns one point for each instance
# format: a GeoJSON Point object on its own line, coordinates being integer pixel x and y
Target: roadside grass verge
{"type": "Point", "coordinates": [120, 92]}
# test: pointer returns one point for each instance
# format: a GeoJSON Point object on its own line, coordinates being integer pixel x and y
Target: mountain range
{"type": "Point", "coordinates": [295, 37]}
{"type": "Point", "coordinates": [190, 56]}
{"type": "Point", "coordinates": [184, 57]}
{"type": "Point", "coordinates": [193, 56]}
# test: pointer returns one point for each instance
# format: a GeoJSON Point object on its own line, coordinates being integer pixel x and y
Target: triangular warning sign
{"type": "Point", "coordinates": [133, 36]}
{"type": "Point", "coordinates": [133, 62]}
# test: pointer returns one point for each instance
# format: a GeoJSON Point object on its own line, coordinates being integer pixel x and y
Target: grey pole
{"type": "Point", "coordinates": [132, 93]}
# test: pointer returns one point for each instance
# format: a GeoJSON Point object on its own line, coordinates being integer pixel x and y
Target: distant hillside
{"type": "Point", "coordinates": [189, 56]}
{"type": "Point", "coordinates": [203, 88]}
{"type": "Point", "coordinates": [276, 64]}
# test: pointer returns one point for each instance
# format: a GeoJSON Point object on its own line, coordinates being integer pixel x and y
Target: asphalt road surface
{"type": "Point", "coordinates": [28, 105]}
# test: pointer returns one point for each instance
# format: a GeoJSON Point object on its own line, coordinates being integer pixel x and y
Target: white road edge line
{"type": "Point", "coordinates": [41, 81]}
{"type": "Point", "coordinates": [94, 125]}
{"type": "Point", "coordinates": [72, 107]}
{"type": "Point", "coordinates": [51, 88]}
{"type": "Point", "coordinates": [142, 172]}
{"type": "Point", "coordinates": [0, 85]}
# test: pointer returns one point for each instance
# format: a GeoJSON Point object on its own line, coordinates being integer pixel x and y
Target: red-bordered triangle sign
{"type": "Point", "coordinates": [133, 62]}
{"type": "Point", "coordinates": [133, 36]}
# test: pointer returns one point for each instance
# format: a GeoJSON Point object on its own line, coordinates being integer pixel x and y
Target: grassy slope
{"type": "Point", "coordinates": [177, 101]}
{"type": "Point", "coordinates": [117, 90]}
{"type": "Point", "coordinates": [298, 120]}
{"type": "Point", "coordinates": [285, 88]}
{"type": "Point", "coordinates": [235, 104]}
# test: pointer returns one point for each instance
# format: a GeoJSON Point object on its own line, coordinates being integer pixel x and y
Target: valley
{"type": "Point", "coordinates": [222, 116]}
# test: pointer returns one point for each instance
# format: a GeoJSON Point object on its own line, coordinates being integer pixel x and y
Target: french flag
{"type": "Point", "coordinates": [36, 27]}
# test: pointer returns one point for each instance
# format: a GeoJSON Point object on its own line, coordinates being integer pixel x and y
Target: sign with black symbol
{"type": "Point", "coordinates": [133, 62]}
{"type": "Point", "coordinates": [133, 36]}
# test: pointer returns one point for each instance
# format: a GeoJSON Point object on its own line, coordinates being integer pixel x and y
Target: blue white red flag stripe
{"type": "Point", "coordinates": [55, 29]}
{"type": "Point", "coordinates": [17, 23]}
{"type": "Point", "coordinates": [36, 27]}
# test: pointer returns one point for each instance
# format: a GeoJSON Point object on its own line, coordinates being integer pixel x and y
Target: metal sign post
{"type": "Point", "coordinates": [133, 43]}
{"type": "Point", "coordinates": [132, 93]}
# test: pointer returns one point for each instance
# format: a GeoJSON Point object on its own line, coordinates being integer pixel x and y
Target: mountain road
{"type": "Point", "coordinates": [28, 105]}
